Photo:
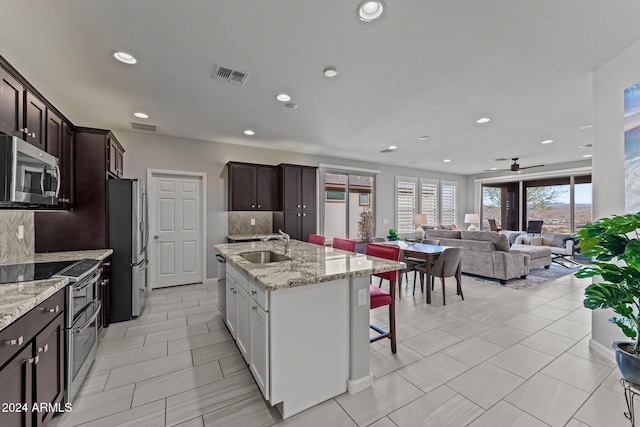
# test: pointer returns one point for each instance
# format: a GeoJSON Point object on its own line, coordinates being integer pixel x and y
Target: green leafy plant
{"type": "Point", "coordinates": [617, 260]}
{"type": "Point", "coordinates": [393, 235]}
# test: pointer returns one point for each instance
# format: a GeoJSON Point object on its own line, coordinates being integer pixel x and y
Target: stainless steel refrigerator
{"type": "Point", "coordinates": [128, 237]}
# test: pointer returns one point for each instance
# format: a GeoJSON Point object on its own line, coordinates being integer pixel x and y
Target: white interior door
{"type": "Point", "coordinates": [177, 230]}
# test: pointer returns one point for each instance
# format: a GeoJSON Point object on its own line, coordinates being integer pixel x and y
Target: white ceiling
{"type": "Point", "coordinates": [426, 68]}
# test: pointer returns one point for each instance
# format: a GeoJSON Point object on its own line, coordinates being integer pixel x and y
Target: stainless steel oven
{"type": "Point", "coordinates": [81, 332]}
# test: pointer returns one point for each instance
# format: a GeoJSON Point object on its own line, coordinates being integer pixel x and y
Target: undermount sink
{"type": "Point", "coordinates": [264, 257]}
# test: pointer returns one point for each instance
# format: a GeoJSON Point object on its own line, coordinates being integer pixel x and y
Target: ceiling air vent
{"type": "Point", "coordinates": [144, 127]}
{"type": "Point", "coordinates": [230, 75]}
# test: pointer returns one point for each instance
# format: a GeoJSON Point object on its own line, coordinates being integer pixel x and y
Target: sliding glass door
{"type": "Point", "coordinates": [348, 205]}
{"type": "Point", "coordinates": [563, 203]}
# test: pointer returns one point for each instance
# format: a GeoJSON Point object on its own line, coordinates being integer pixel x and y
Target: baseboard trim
{"type": "Point", "coordinates": [355, 386]}
{"type": "Point", "coordinates": [602, 350]}
{"type": "Point", "coordinates": [210, 281]}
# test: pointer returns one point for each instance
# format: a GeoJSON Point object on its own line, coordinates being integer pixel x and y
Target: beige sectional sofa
{"type": "Point", "coordinates": [486, 253]}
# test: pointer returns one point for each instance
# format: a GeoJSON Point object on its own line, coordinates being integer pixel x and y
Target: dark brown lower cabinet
{"type": "Point", "coordinates": [49, 378]}
{"type": "Point", "coordinates": [32, 375]}
{"type": "Point", "coordinates": [16, 390]}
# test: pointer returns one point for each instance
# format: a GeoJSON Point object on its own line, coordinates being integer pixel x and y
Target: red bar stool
{"type": "Point", "coordinates": [344, 244]}
{"type": "Point", "coordinates": [379, 297]}
{"type": "Point", "coordinates": [316, 239]}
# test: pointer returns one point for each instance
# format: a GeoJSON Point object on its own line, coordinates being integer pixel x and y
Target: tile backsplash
{"type": "Point", "coordinates": [239, 223]}
{"type": "Point", "coordinates": [11, 247]}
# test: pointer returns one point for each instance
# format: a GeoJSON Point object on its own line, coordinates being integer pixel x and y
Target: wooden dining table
{"type": "Point", "coordinates": [420, 251]}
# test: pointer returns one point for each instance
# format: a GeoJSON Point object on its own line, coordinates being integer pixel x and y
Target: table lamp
{"type": "Point", "coordinates": [418, 220]}
{"type": "Point", "coordinates": [471, 219]}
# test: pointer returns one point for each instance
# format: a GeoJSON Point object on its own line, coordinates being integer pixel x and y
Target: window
{"type": "Point", "coordinates": [405, 204]}
{"type": "Point", "coordinates": [429, 200]}
{"type": "Point", "coordinates": [449, 206]}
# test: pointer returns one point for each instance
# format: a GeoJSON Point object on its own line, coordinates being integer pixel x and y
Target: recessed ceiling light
{"type": "Point", "coordinates": [125, 57]}
{"type": "Point", "coordinates": [583, 127]}
{"type": "Point", "coordinates": [446, 160]}
{"type": "Point", "coordinates": [392, 147]}
{"type": "Point", "coordinates": [369, 11]}
{"type": "Point", "coordinates": [141, 115]}
{"type": "Point", "coordinates": [249, 132]}
{"type": "Point", "coordinates": [587, 155]}
{"type": "Point", "coordinates": [547, 141]}
{"type": "Point", "coordinates": [585, 146]}
{"type": "Point", "coordinates": [483, 120]}
{"type": "Point", "coordinates": [283, 97]}
{"type": "Point", "coordinates": [494, 169]}
{"type": "Point", "coordinates": [330, 72]}
{"type": "Point", "coordinates": [424, 137]}
{"type": "Point", "coordinates": [291, 105]}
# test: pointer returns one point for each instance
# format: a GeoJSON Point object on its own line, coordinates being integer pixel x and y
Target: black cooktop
{"type": "Point", "coordinates": [26, 272]}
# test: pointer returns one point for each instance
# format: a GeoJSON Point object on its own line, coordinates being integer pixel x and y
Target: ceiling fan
{"type": "Point", "coordinates": [515, 167]}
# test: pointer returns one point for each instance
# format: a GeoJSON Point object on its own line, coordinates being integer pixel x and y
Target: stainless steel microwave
{"type": "Point", "coordinates": [28, 175]}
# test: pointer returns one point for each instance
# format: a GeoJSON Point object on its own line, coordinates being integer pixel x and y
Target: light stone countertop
{"type": "Point", "coordinates": [309, 263]}
{"type": "Point", "coordinates": [247, 237]}
{"type": "Point", "coordinates": [17, 299]}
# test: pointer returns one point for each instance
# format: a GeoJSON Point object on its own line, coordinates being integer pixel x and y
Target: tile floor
{"type": "Point", "coordinates": [501, 357]}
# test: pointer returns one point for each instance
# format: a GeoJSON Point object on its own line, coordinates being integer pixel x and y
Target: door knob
{"type": "Point", "coordinates": [156, 237]}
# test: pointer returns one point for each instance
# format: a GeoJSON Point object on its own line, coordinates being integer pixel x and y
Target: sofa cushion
{"type": "Point", "coordinates": [500, 241]}
{"type": "Point", "coordinates": [556, 240]}
{"type": "Point", "coordinates": [446, 234]}
{"type": "Point", "coordinates": [513, 235]}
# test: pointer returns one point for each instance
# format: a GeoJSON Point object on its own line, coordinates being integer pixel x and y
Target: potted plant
{"type": "Point", "coordinates": [365, 225]}
{"type": "Point", "coordinates": [614, 245]}
{"type": "Point", "coordinates": [393, 235]}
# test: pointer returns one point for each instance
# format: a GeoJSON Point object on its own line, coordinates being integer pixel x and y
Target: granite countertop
{"type": "Point", "coordinates": [309, 263]}
{"type": "Point", "coordinates": [17, 299]}
{"type": "Point", "coordinates": [247, 237]}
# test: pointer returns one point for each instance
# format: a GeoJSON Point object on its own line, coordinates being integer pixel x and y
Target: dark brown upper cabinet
{"type": "Point", "coordinates": [252, 187]}
{"type": "Point", "coordinates": [54, 134]}
{"type": "Point", "coordinates": [11, 105]}
{"type": "Point", "coordinates": [116, 158]}
{"type": "Point", "coordinates": [34, 121]}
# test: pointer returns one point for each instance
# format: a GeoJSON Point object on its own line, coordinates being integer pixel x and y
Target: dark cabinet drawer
{"type": "Point", "coordinates": [20, 332]}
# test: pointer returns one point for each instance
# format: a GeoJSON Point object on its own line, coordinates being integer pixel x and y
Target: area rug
{"type": "Point", "coordinates": [535, 277]}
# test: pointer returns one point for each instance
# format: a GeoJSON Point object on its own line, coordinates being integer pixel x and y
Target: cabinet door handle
{"type": "Point", "coordinates": [25, 130]}
{"type": "Point", "coordinates": [253, 206]}
{"type": "Point", "coordinates": [258, 206]}
{"type": "Point", "coordinates": [254, 307]}
{"type": "Point", "coordinates": [298, 205]}
{"type": "Point", "coordinates": [298, 214]}
{"type": "Point", "coordinates": [43, 349]}
{"type": "Point", "coordinates": [304, 206]}
{"type": "Point", "coordinates": [253, 292]}
{"type": "Point", "coordinates": [18, 341]}
{"type": "Point", "coordinates": [231, 289]}
{"type": "Point", "coordinates": [304, 214]}
{"type": "Point", "coordinates": [34, 360]}
{"type": "Point", "coordinates": [56, 309]}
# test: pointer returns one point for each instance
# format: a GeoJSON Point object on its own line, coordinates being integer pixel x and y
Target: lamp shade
{"type": "Point", "coordinates": [471, 218]}
{"type": "Point", "coordinates": [419, 219]}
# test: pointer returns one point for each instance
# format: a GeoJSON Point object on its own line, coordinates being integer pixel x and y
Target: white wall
{"type": "Point", "coordinates": [149, 151]}
{"type": "Point", "coordinates": [609, 83]}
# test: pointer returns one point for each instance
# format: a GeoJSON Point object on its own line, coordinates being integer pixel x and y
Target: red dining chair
{"type": "Point", "coordinates": [316, 239]}
{"type": "Point", "coordinates": [344, 244]}
{"type": "Point", "coordinates": [378, 297]}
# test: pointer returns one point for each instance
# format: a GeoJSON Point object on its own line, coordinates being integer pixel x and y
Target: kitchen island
{"type": "Point", "coordinates": [301, 318]}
